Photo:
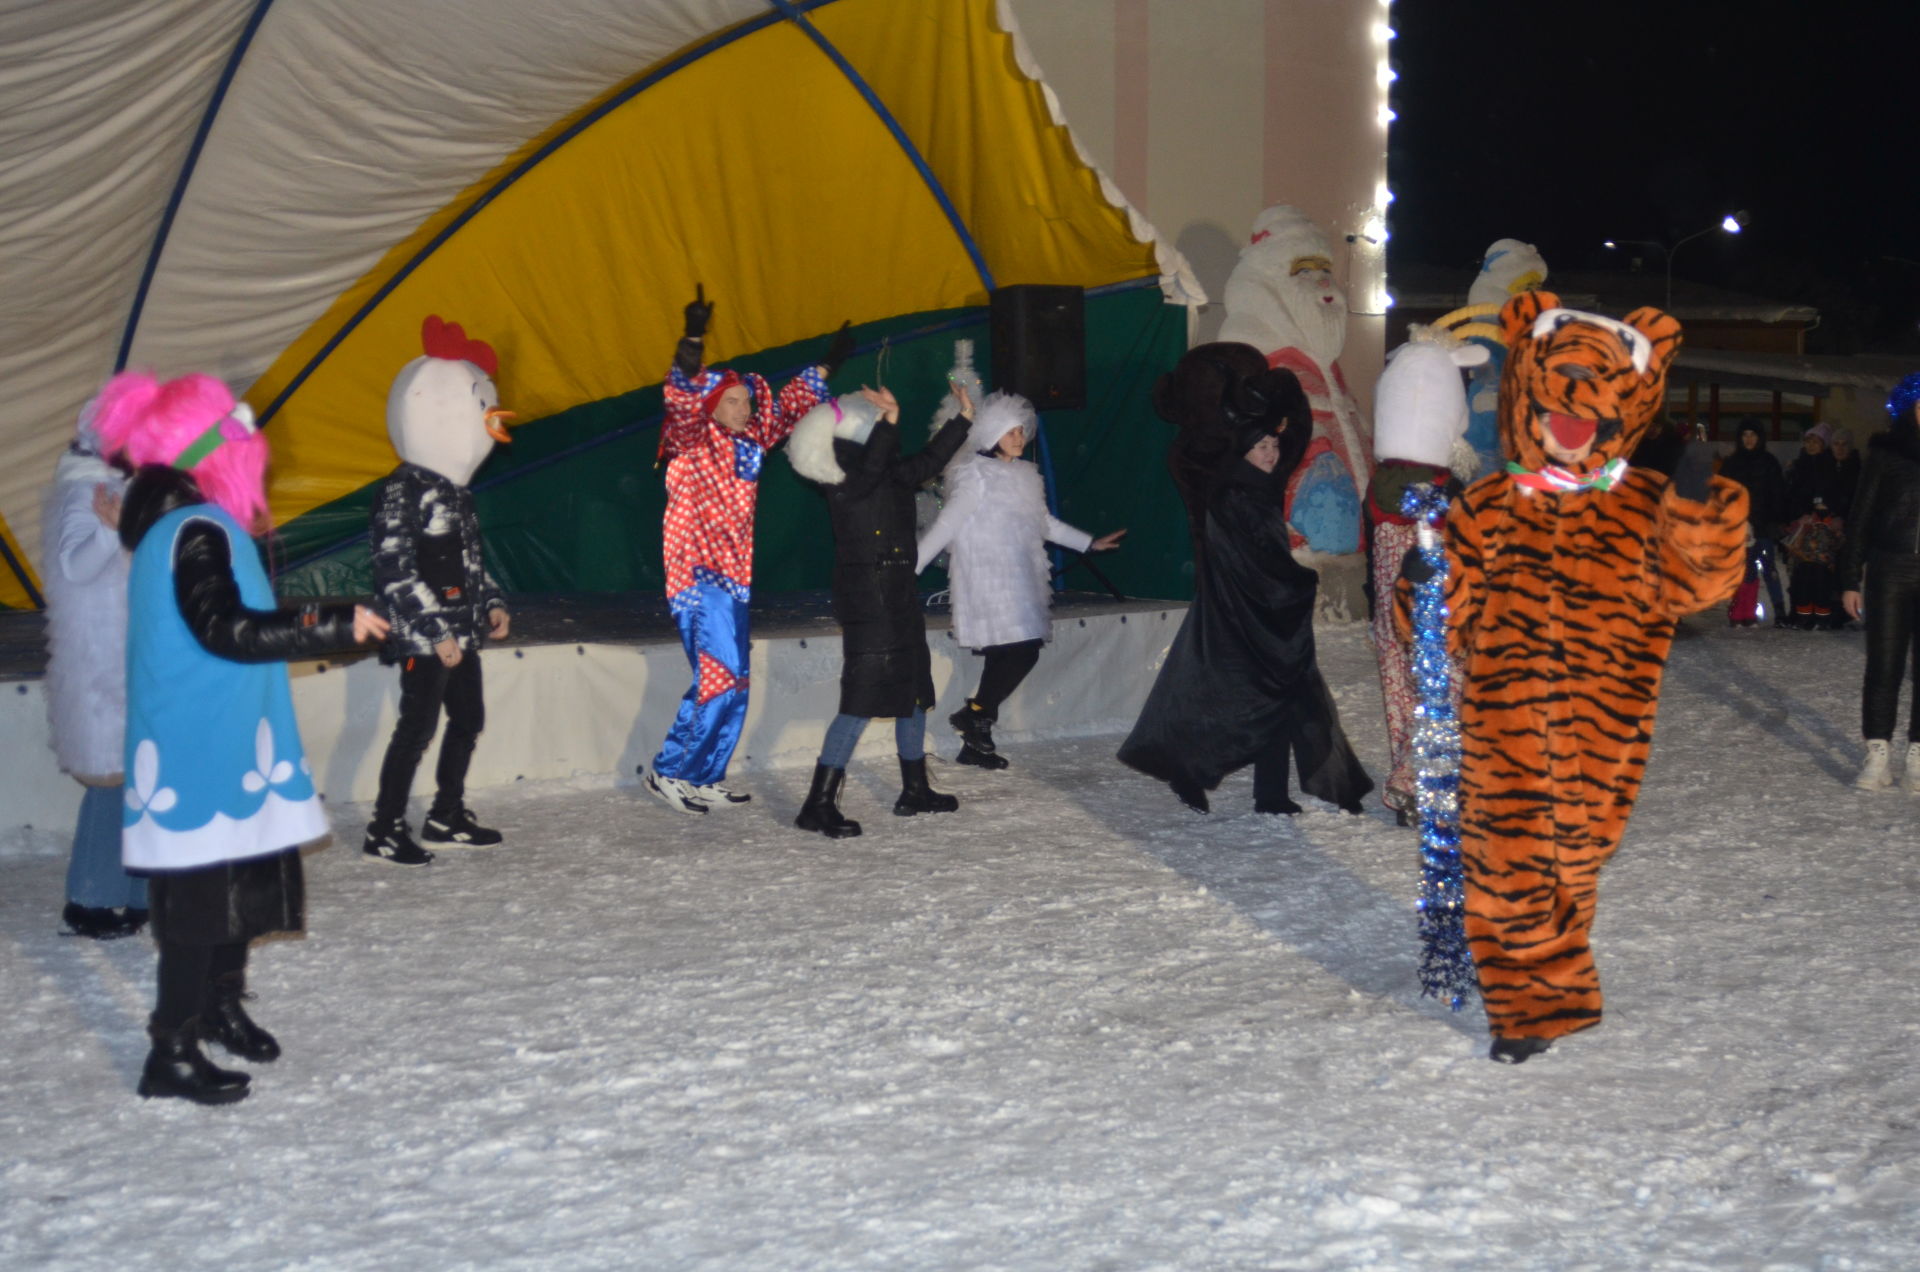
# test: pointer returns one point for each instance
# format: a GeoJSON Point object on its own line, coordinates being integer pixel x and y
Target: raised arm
{"type": "Point", "coordinates": [1702, 547]}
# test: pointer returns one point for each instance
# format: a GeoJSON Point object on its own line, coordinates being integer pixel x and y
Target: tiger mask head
{"type": "Point", "coordinates": [1580, 390]}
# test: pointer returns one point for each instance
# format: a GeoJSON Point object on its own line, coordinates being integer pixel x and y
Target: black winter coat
{"type": "Point", "coordinates": [885, 669]}
{"type": "Point", "coordinates": [1886, 512]}
{"type": "Point", "coordinates": [1760, 473]}
{"type": "Point", "coordinates": [1241, 677]}
{"type": "Point", "coordinates": [1810, 477]}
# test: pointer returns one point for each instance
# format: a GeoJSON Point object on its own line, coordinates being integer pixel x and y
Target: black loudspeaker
{"type": "Point", "coordinates": [1040, 344]}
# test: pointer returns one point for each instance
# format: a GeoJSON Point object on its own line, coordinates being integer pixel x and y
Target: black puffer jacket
{"type": "Point", "coordinates": [1886, 511]}
{"type": "Point", "coordinates": [1760, 473]}
{"type": "Point", "coordinates": [885, 669]}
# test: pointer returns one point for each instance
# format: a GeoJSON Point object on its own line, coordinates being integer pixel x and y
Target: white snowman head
{"type": "Point", "coordinates": [443, 412]}
{"type": "Point", "coordinates": [1420, 406]}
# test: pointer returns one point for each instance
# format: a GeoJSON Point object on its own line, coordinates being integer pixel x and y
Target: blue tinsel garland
{"type": "Point", "coordinates": [1446, 964]}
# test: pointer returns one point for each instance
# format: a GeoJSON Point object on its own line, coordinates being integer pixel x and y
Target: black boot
{"type": "Point", "coordinates": [821, 812]}
{"type": "Point", "coordinates": [97, 923]}
{"type": "Point", "coordinates": [1517, 1050]}
{"type": "Point", "coordinates": [393, 842]}
{"type": "Point", "coordinates": [975, 727]}
{"type": "Point", "coordinates": [916, 796]}
{"type": "Point", "coordinates": [177, 1069]}
{"type": "Point", "coordinates": [228, 1024]}
{"type": "Point", "coordinates": [979, 759]}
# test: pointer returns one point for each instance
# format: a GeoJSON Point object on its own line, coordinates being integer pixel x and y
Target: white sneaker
{"type": "Point", "coordinates": [674, 793]}
{"type": "Point", "coordinates": [719, 793]}
{"type": "Point", "coordinates": [1911, 779]}
{"type": "Point", "coordinates": [1873, 774]}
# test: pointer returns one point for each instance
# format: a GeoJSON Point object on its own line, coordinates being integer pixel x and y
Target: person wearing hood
{"type": "Point", "coordinates": [849, 448]}
{"type": "Point", "coordinates": [1754, 467]}
{"type": "Point", "coordinates": [219, 795]}
{"type": "Point", "coordinates": [1813, 474]}
{"type": "Point", "coordinates": [429, 568]}
{"type": "Point", "coordinates": [1883, 544]}
{"type": "Point", "coordinates": [86, 685]}
{"type": "Point", "coordinates": [1240, 684]}
{"type": "Point", "coordinates": [1420, 439]}
{"type": "Point", "coordinates": [718, 428]}
{"type": "Point", "coordinates": [995, 525]}
{"type": "Point", "coordinates": [1846, 479]}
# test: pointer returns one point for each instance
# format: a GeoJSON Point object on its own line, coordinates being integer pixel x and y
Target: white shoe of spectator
{"type": "Point", "coordinates": [1874, 774]}
{"type": "Point", "coordinates": [680, 796]}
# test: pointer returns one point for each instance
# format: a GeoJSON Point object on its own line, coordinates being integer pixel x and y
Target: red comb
{"type": "Point", "coordinates": [446, 340]}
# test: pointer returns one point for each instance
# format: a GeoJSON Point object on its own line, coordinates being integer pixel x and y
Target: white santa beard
{"type": "Point", "coordinates": [1322, 323]}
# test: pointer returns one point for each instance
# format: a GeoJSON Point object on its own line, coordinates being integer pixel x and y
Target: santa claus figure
{"type": "Point", "coordinates": [1282, 300]}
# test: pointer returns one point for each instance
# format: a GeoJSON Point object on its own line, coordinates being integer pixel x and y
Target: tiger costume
{"type": "Point", "coordinates": [1567, 574]}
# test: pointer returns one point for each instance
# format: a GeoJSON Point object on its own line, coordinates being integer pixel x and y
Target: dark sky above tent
{"type": "Point", "coordinates": [1568, 125]}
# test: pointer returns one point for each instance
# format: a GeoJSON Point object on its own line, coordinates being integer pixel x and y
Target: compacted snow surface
{"type": "Point", "coordinates": [1072, 1026]}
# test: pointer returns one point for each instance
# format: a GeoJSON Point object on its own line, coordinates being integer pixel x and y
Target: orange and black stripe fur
{"type": "Point", "coordinates": [1562, 608]}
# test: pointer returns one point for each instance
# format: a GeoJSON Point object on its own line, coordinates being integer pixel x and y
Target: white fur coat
{"type": "Point", "coordinates": [995, 525]}
{"type": "Point", "coordinates": [86, 582]}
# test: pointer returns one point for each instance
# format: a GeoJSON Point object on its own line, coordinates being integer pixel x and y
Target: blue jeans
{"type": "Point", "coordinates": [95, 877]}
{"type": "Point", "coordinates": [909, 735]}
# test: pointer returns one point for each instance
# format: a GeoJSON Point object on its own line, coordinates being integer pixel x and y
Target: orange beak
{"type": "Point", "coordinates": [496, 422]}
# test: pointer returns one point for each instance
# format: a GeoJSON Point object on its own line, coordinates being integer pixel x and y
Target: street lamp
{"type": "Point", "coordinates": [1732, 223]}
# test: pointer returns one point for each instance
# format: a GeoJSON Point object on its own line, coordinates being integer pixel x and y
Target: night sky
{"type": "Point", "coordinates": [1566, 125]}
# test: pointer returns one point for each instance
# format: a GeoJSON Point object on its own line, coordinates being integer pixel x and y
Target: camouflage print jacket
{"type": "Point", "coordinates": [428, 568]}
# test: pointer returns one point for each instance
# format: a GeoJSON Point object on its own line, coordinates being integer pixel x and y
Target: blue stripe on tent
{"type": "Point", "coordinates": [20, 572]}
{"type": "Point", "coordinates": [532, 161]}
{"type": "Point", "coordinates": [186, 174]}
{"type": "Point", "coordinates": [938, 191]}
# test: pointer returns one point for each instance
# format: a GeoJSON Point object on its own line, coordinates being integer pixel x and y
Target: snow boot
{"type": "Point", "coordinates": [228, 1024]}
{"type": "Point", "coordinates": [393, 842]}
{"type": "Point", "coordinates": [1873, 774]}
{"type": "Point", "coordinates": [98, 923]}
{"type": "Point", "coordinates": [457, 828]}
{"type": "Point", "coordinates": [1911, 778]}
{"type": "Point", "coordinates": [974, 726]}
{"type": "Point", "coordinates": [918, 797]}
{"type": "Point", "coordinates": [1517, 1050]}
{"type": "Point", "coordinates": [680, 796]}
{"type": "Point", "coordinates": [132, 919]}
{"type": "Point", "coordinates": [979, 759]}
{"type": "Point", "coordinates": [821, 812]}
{"type": "Point", "coordinates": [1281, 807]}
{"type": "Point", "coordinates": [1191, 795]}
{"type": "Point", "coordinates": [177, 1069]}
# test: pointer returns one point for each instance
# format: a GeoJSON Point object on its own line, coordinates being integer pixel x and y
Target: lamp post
{"type": "Point", "coordinates": [1732, 223]}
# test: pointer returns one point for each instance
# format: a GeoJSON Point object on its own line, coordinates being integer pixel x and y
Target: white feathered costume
{"type": "Point", "coordinates": [86, 582]}
{"type": "Point", "coordinates": [995, 526]}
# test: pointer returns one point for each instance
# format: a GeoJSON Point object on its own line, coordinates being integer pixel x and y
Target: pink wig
{"type": "Point", "coordinates": [150, 422]}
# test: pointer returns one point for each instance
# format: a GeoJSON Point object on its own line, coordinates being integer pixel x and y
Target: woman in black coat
{"type": "Point", "coordinates": [1883, 542]}
{"type": "Point", "coordinates": [1754, 467]}
{"type": "Point", "coordinates": [850, 449]}
{"type": "Point", "coordinates": [1240, 684]}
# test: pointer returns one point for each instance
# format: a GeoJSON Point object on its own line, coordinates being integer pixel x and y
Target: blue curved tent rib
{"type": "Point", "coordinates": [186, 174]}
{"type": "Point", "coordinates": [792, 11]}
{"type": "Point", "coordinates": [532, 161]}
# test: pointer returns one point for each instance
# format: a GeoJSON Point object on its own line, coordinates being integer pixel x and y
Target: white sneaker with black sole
{"type": "Point", "coordinates": [680, 796]}
{"type": "Point", "coordinates": [719, 795]}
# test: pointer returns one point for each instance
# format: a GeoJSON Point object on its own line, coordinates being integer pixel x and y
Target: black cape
{"type": "Point", "coordinates": [1241, 675]}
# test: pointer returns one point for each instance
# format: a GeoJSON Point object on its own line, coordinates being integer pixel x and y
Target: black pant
{"type": "Point", "coordinates": [1007, 666]}
{"type": "Point", "coordinates": [426, 684]}
{"type": "Point", "coordinates": [1892, 599]}
{"type": "Point", "coordinates": [187, 976]}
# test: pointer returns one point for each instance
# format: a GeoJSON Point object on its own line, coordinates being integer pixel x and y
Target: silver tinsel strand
{"type": "Point", "coordinates": [1446, 964]}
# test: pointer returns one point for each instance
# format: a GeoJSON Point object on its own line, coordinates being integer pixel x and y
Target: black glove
{"type": "Point", "coordinates": [1693, 481]}
{"type": "Point", "coordinates": [839, 349]}
{"type": "Point", "coordinates": [699, 313]}
{"type": "Point", "coordinates": [1414, 568]}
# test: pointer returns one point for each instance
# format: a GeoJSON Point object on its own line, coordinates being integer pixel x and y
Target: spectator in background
{"type": "Point", "coordinates": [1754, 467]}
{"type": "Point", "coordinates": [1846, 474]}
{"type": "Point", "coordinates": [1812, 475]}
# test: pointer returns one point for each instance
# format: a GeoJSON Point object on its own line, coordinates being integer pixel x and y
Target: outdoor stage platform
{"type": "Point", "coordinates": [588, 683]}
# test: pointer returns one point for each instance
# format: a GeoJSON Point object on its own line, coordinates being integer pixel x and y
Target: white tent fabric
{"type": "Point", "coordinates": [346, 124]}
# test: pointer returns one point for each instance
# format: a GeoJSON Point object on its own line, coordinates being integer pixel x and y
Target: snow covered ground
{"type": "Point", "coordinates": [1072, 1026]}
